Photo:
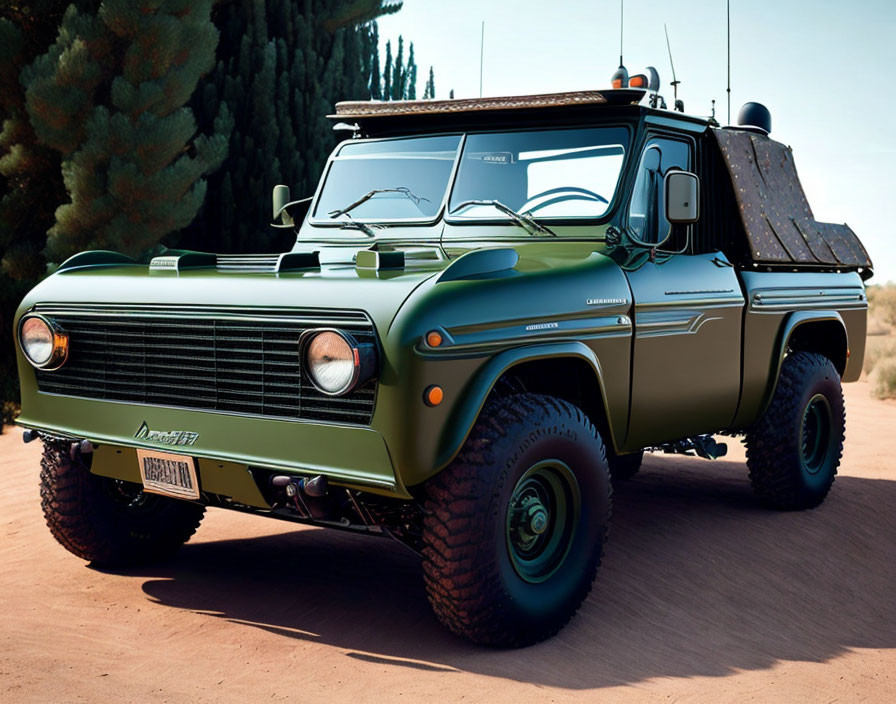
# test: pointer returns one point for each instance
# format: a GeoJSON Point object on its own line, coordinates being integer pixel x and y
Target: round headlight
{"type": "Point", "coordinates": [336, 363]}
{"type": "Point", "coordinates": [45, 345]}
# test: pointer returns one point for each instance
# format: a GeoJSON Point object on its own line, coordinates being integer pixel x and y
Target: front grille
{"type": "Point", "coordinates": [226, 362]}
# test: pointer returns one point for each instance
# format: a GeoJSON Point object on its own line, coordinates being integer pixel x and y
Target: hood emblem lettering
{"type": "Point", "coordinates": [542, 326]}
{"type": "Point", "coordinates": [166, 437]}
{"type": "Point", "coordinates": [605, 301]}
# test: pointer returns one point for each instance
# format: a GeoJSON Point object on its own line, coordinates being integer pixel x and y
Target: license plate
{"type": "Point", "coordinates": [171, 475]}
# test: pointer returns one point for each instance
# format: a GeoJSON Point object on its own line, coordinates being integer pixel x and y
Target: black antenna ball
{"type": "Point", "coordinates": [755, 117]}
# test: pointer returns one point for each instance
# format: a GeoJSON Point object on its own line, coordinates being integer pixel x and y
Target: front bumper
{"type": "Point", "coordinates": [352, 456]}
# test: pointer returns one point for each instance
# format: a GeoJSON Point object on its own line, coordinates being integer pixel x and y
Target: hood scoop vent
{"type": "Point", "coordinates": [268, 263]}
{"type": "Point", "coordinates": [237, 263]}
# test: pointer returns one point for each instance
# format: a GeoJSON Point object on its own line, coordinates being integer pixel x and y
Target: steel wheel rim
{"type": "Point", "coordinates": [815, 434]}
{"type": "Point", "coordinates": [541, 520]}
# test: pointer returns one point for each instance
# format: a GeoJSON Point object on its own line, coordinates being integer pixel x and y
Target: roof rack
{"type": "Point", "coordinates": [376, 108]}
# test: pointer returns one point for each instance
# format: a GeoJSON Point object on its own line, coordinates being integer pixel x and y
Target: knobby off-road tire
{"type": "Point", "coordinates": [624, 467]}
{"type": "Point", "coordinates": [488, 577]}
{"type": "Point", "coordinates": [794, 450]}
{"type": "Point", "coordinates": [109, 522]}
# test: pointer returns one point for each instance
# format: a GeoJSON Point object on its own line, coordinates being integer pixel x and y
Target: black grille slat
{"type": "Point", "coordinates": [203, 362]}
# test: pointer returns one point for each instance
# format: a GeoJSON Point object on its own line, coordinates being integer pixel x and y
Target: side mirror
{"type": "Point", "coordinates": [280, 201]}
{"type": "Point", "coordinates": [682, 197]}
{"type": "Point", "coordinates": [287, 211]}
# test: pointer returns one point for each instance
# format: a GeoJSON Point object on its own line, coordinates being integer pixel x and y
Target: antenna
{"type": "Point", "coordinates": [621, 26]}
{"type": "Point", "coordinates": [481, 57]}
{"type": "Point", "coordinates": [729, 62]}
{"type": "Point", "coordinates": [675, 81]}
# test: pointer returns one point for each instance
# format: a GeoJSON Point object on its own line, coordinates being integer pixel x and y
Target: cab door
{"type": "Point", "coordinates": [688, 308]}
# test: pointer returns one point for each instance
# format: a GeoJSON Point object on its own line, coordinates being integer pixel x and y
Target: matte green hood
{"type": "Point", "coordinates": [378, 293]}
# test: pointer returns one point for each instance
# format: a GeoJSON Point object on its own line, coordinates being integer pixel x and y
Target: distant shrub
{"type": "Point", "coordinates": [878, 348]}
{"type": "Point", "coordinates": [8, 413]}
{"type": "Point", "coordinates": [883, 303]}
{"type": "Point", "coordinates": [883, 380]}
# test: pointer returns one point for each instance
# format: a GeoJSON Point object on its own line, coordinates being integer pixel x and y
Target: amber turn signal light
{"type": "Point", "coordinates": [433, 395]}
{"type": "Point", "coordinates": [434, 338]}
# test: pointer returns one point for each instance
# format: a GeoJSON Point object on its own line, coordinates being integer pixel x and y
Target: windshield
{"type": "Point", "coordinates": [401, 179]}
{"type": "Point", "coordinates": [552, 174]}
{"type": "Point", "coordinates": [535, 175]}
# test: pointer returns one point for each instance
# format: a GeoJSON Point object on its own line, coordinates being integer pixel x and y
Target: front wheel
{"type": "Point", "coordinates": [794, 450]}
{"type": "Point", "coordinates": [106, 521]}
{"type": "Point", "coordinates": [515, 526]}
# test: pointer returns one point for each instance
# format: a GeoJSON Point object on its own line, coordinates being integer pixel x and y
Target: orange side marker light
{"type": "Point", "coordinates": [433, 395]}
{"type": "Point", "coordinates": [434, 338]}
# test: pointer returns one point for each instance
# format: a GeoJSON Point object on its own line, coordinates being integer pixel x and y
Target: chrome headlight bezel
{"type": "Point", "coordinates": [363, 358]}
{"type": "Point", "coordinates": [60, 349]}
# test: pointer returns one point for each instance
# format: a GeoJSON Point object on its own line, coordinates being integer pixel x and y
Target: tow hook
{"type": "Point", "coordinates": [81, 448]}
{"type": "Point", "coordinates": [304, 493]}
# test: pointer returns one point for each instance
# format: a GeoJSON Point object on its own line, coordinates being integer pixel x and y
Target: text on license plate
{"type": "Point", "coordinates": [171, 475]}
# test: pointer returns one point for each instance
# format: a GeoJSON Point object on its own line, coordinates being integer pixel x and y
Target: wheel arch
{"type": "Point", "coordinates": [823, 332]}
{"type": "Point", "coordinates": [570, 371]}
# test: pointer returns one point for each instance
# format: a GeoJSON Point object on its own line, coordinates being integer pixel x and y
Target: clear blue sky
{"type": "Point", "coordinates": [825, 69]}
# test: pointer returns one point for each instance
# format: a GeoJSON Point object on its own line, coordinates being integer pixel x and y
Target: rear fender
{"type": "Point", "coordinates": [821, 331]}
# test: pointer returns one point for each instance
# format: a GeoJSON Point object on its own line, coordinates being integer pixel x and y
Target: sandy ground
{"type": "Point", "coordinates": [703, 597]}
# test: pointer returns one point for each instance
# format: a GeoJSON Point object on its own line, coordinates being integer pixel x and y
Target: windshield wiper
{"type": "Point", "coordinates": [524, 220]}
{"type": "Point", "coordinates": [404, 190]}
{"type": "Point", "coordinates": [355, 225]}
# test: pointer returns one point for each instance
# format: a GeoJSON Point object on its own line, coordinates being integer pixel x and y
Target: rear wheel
{"type": "Point", "coordinates": [515, 526]}
{"type": "Point", "coordinates": [107, 521]}
{"type": "Point", "coordinates": [793, 452]}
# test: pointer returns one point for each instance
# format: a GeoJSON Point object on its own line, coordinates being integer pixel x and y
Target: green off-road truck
{"type": "Point", "coordinates": [492, 309]}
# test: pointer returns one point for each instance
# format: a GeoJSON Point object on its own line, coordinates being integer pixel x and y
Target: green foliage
{"type": "Point", "coordinates": [376, 81]}
{"type": "Point", "coordinates": [411, 89]}
{"type": "Point", "coordinates": [399, 80]}
{"type": "Point", "coordinates": [399, 72]}
{"type": "Point", "coordinates": [109, 96]}
{"type": "Point", "coordinates": [280, 68]}
{"type": "Point", "coordinates": [429, 92]}
{"type": "Point", "coordinates": [387, 73]}
{"type": "Point", "coordinates": [30, 177]}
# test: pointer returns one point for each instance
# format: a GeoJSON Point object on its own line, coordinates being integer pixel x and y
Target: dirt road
{"type": "Point", "coordinates": [703, 597]}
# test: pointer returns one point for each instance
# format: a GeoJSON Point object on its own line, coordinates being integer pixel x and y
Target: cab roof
{"type": "Point", "coordinates": [391, 117]}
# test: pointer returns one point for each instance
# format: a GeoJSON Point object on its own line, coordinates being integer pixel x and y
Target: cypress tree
{"type": "Point", "coordinates": [429, 92]}
{"type": "Point", "coordinates": [398, 73]}
{"type": "Point", "coordinates": [376, 81]}
{"type": "Point", "coordinates": [30, 176]}
{"type": "Point", "coordinates": [411, 91]}
{"type": "Point", "coordinates": [323, 51]}
{"type": "Point", "coordinates": [109, 96]}
{"type": "Point", "coordinates": [387, 72]}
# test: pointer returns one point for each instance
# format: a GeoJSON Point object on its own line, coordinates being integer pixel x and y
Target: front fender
{"type": "Point", "coordinates": [465, 411]}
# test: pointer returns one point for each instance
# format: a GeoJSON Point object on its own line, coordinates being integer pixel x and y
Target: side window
{"type": "Point", "coordinates": [647, 212]}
